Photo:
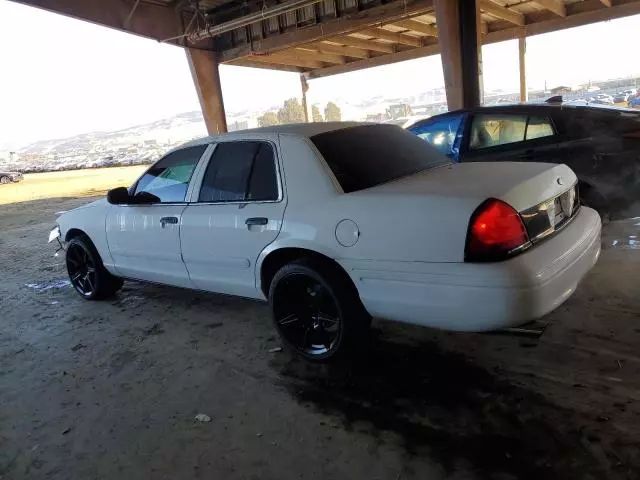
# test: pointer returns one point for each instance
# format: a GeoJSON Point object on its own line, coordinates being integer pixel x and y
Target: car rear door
{"type": "Point", "coordinates": [235, 212]}
{"type": "Point", "coordinates": [516, 137]}
{"type": "Point", "coordinates": [144, 239]}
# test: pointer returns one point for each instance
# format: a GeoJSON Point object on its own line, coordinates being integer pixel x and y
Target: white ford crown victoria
{"type": "Point", "coordinates": [336, 222]}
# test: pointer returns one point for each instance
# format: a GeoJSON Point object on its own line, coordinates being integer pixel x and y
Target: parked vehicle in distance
{"type": "Point", "coordinates": [9, 177]}
{"type": "Point", "coordinates": [621, 97]}
{"type": "Point", "coordinates": [634, 102]}
{"type": "Point", "coordinates": [334, 223]}
{"type": "Point", "coordinates": [600, 144]}
{"type": "Point", "coordinates": [603, 99]}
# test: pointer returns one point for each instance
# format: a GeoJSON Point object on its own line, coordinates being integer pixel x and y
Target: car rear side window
{"type": "Point", "coordinates": [539, 127]}
{"type": "Point", "coordinates": [169, 178]}
{"type": "Point", "coordinates": [368, 155]}
{"type": "Point", "coordinates": [240, 171]}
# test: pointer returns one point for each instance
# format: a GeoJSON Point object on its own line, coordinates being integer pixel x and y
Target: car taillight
{"type": "Point", "coordinates": [495, 232]}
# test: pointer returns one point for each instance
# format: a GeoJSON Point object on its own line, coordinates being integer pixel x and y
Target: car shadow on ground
{"type": "Point", "coordinates": [442, 405]}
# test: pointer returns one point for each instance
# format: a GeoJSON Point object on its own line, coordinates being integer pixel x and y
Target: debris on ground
{"type": "Point", "coordinates": [275, 349]}
{"type": "Point", "coordinates": [203, 418]}
{"type": "Point", "coordinates": [78, 346]}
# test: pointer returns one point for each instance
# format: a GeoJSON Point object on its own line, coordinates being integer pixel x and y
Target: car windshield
{"type": "Point", "coordinates": [369, 155]}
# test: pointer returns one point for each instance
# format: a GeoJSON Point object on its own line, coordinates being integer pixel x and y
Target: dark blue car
{"type": "Point", "coordinates": [601, 144]}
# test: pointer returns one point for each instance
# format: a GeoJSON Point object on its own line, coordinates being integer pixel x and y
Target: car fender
{"type": "Point", "coordinates": [91, 220]}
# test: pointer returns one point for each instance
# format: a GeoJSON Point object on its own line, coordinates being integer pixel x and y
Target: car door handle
{"type": "Point", "coordinates": [170, 220]}
{"type": "Point", "coordinates": [256, 221]}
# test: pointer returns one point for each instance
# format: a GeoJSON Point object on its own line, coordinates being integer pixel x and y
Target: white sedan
{"type": "Point", "coordinates": [334, 223]}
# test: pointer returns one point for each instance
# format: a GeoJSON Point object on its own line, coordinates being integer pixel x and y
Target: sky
{"type": "Point", "coordinates": [60, 77]}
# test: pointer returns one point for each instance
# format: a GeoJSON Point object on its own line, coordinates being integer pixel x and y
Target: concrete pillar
{"type": "Point", "coordinates": [305, 106]}
{"type": "Point", "coordinates": [522, 51]}
{"type": "Point", "coordinates": [458, 38]}
{"type": "Point", "coordinates": [206, 78]}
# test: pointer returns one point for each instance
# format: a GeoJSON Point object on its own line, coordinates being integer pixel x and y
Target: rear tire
{"type": "Point", "coordinates": [87, 273]}
{"type": "Point", "coordinates": [5, 180]}
{"type": "Point", "coordinates": [317, 311]}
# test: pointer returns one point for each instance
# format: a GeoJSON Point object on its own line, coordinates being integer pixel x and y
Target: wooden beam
{"type": "Point", "coordinates": [501, 12]}
{"type": "Point", "coordinates": [340, 50]}
{"type": "Point", "coordinates": [206, 78]}
{"type": "Point", "coordinates": [606, 3]}
{"type": "Point", "coordinates": [394, 37]}
{"type": "Point", "coordinates": [306, 52]}
{"type": "Point", "coordinates": [410, 54]}
{"type": "Point", "coordinates": [555, 6]}
{"type": "Point", "coordinates": [484, 28]}
{"type": "Point", "coordinates": [150, 20]}
{"type": "Point", "coordinates": [282, 59]}
{"type": "Point", "coordinates": [578, 14]}
{"type": "Point", "coordinates": [364, 44]}
{"type": "Point", "coordinates": [388, 12]}
{"type": "Point", "coordinates": [419, 27]}
{"type": "Point", "coordinates": [246, 62]}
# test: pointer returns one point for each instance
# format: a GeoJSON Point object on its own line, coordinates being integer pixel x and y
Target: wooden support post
{"type": "Point", "coordinates": [206, 78]}
{"type": "Point", "coordinates": [305, 88]}
{"type": "Point", "coordinates": [458, 40]}
{"type": "Point", "coordinates": [479, 35]}
{"type": "Point", "coordinates": [522, 51]}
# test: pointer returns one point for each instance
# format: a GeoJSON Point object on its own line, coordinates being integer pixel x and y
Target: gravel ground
{"type": "Point", "coordinates": [111, 389]}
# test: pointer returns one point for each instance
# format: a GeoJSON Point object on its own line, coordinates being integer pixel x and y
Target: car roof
{"type": "Point", "coordinates": [306, 130]}
{"type": "Point", "coordinates": [527, 108]}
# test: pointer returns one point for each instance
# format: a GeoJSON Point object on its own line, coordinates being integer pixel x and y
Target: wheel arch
{"type": "Point", "coordinates": [277, 258]}
{"type": "Point", "coordinates": [73, 233]}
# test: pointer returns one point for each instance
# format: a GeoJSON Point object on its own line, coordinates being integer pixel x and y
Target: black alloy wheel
{"type": "Point", "coordinates": [86, 271]}
{"type": "Point", "coordinates": [307, 315]}
{"type": "Point", "coordinates": [82, 269]}
{"type": "Point", "coordinates": [317, 311]}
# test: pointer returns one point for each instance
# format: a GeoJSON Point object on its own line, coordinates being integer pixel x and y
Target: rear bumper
{"type": "Point", "coordinates": [482, 297]}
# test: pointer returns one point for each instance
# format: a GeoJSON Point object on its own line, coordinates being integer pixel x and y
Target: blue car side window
{"type": "Point", "coordinates": [443, 133]}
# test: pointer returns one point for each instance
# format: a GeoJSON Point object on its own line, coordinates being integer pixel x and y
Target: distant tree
{"type": "Point", "coordinates": [291, 112]}
{"type": "Point", "coordinates": [332, 112]}
{"type": "Point", "coordinates": [316, 116]}
{"type": "Point", "coordinates": [268, 119]}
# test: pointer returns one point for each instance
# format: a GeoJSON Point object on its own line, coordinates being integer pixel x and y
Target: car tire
{"type": "Point", "coordinates": [5, 180]}
{"type": "Point", "coordinates": [87, 273]}
{"type": "Point", "coordinates": [317, 311]}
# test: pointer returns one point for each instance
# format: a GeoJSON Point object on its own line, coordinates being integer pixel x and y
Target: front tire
{"type": "Point", "coordinates": [87, 273]}
{"type": "Point", "coordinates": [4, 180]}
{"type": "Point", "coordinates": [317, 311]}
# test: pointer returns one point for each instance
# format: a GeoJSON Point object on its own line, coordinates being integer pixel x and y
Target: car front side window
{"type": "Point", "coordinates": [169, 178]}
{"type": "Point", "coordinates": [493, 130]}
{"type": "Point", "coordinates": [240, 171]}
{"type": "Point", "coordinates": [441, 133]}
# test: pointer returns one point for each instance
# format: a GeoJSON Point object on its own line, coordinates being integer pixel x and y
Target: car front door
{"type": "Point", "coordinates": [444, 132]}
{"type": "Point", "coordinates": [233, 216]}
{"type": "Point", "coordinates": [144, 239]}
{"type": "Point", "coordinates": [509, 137]}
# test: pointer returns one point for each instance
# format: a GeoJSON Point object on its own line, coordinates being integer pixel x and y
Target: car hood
{"type": "Point", "coordinates": [97, 203]}
{"type": "Point", "coordinates": [520, 184]}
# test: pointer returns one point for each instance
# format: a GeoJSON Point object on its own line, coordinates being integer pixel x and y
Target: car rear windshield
{"type": "Point", "coordinates": [368, 155]}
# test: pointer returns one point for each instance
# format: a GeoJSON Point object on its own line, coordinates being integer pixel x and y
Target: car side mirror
{"type": "Point", "coordinates": [144, 198]}
{"type": "Point", "coordinates": [118, 196]}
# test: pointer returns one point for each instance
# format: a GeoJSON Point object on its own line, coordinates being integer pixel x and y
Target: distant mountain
{"type": "Point", "coordinates": [182, 126]}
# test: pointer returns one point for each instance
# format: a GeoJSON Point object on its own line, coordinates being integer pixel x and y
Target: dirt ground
{"type": "Point", "coordinates": [110, 390]}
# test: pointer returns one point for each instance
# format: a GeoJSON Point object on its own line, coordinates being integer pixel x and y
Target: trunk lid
{"type": "Point", "coordinates": [523, 185]}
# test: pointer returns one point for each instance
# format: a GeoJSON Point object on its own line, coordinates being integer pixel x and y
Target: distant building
{"type": "Point", "coordinates": [399, 110]}
{"type": "Point", "coordinates": [237, 125]}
